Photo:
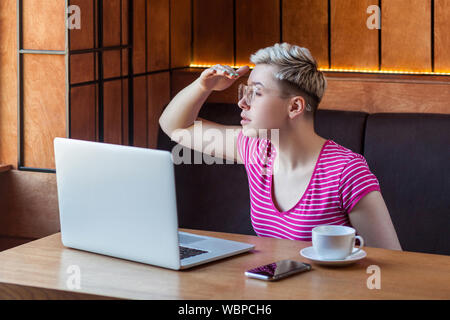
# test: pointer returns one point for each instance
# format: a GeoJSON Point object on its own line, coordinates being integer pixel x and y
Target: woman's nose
{"type": "Point", "coordinates": [243, 104]}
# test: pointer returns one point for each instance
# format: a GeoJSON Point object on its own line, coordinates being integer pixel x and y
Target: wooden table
{"type": "Point", "coordinates": [40, 270]}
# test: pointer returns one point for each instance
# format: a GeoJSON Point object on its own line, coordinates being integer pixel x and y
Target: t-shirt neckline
{"type": "Point", "coordinates": [282, 213]}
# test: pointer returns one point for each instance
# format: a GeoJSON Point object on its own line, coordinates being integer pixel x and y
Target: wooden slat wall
{"type": "Point", "coordinates": [83, 111]}
{"type": "Point", "coordinates": [83, 68]}
{"type": "Point", "coordinates": [158, 35]}
{"type": "Point", "coordinates": [44, 108]}
{"type": "Point", "coordinates": [180, 32]}
{"type": "Point", "coordinates": [404, 41]}
{"type": "Point", "coordinates": [152, 38]}
{"type": "Point", "coordinates": [43, 24]}
{"type": "Point", "coordinates": [353, 45]}
{"type": "Point", "coordinates": [406, 35]}
{"type": "Point", "coordinates": [8, 83]}
{"type": "Point", "coordinates": [151, 43]}
{"type": "Point", "coordinates": [125, 122]}
{"type": "Point", "coordinates": [383, 95]}
{"type": "Point", "coordinates": [139, 41]}
{"type": "Point", "coordinates": [251, 34]}
{"type": "Point", "coordinates": [140, 111]}
{"type": "Point", "coordinates": [159, 96]}
{"type": "Point", "coordinates": [112, 112]}
{"type": "Point", "coordinates": [44, 104]}
{"type": "Point", "coordinates": [306, 24]}
{"type": "Point", "coordinates": [442, 36]}
{"type": "Point", "coordinates": [213, 32]}
{"type": "Point", "coordinates": [112, 65]}
{"type": "Point", "coordinates": [83, 38]}
{"type": "Point", "coordinates": [111, 23]}
{"type": "Point", "coordinates": [224, 31]}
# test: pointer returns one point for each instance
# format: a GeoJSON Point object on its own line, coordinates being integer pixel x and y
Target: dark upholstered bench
{"type": "Point", "coordinates": [409, 154]}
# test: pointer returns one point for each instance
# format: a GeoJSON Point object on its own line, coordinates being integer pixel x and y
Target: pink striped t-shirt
{"type": "Point", "coordinates": [340, 179]}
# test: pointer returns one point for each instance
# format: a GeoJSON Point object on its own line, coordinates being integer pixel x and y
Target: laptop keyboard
{"type": "Point", "coordinates": [190, 252]}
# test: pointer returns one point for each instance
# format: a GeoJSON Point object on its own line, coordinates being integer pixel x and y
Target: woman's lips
{"type": "Point", "coordinates": [244, 121]}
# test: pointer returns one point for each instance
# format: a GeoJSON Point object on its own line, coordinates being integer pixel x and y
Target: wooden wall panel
{"type": "Point", "coordinates": [29, 204]}
{"type": "Point", "coordinates": [257, 26]}
{"type": "Point", "coordinates": [111, 64]}
{"type": "Point", "coordinates": [180, 36]}
{"type": "Point", "coordinates": [44, 108]}
{"type": "Point", "coordinates": [125, 125]}
{"type": "Point", "coordinates": [406, 35]}
{"type": "Point", "coordinates": [139, 43]}
{"type": "Point", "coordinates": [213, 32]}
{"type": "Point", "coordinates": [305, 23]}
{"type": "Point", "coordinates": [157, 35]}
{"type": "Point", "coordinates": [353, 45]}
{"type": "Point", "coordinates": [8, 83]}
{"type": "Point", "coordinates": [112, 112]}
{"type": "Point", "coordinates": [82, 68]}
{"type": "Point", "coordinates": [83, 108]}
{"type": "Point", "coordinates": [111, 23]}
{"type": "Point", "coordinates": [442, 36]}
{"type": "Point", "coordinates": [140, 111]}
{"type": "Point", "coordinates": [158, 98]}
{"type": "Point", "coordinates": [125, 62]}
{"type": "Point", "coordinates": [387, 96]}
{"type": "Point", "coordinates": [43, 24]}
{"type": "Point", "coordinates": [83, 38]}
{"type": "Point", "coordinates": [125, 21]}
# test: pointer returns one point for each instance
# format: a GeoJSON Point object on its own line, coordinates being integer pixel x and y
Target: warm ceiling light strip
{"type": "Point", "coordinates": [193, 65]}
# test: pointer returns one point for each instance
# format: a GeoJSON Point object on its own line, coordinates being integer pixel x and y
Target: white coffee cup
{"type": "Point", "coordinates": [335, 242]}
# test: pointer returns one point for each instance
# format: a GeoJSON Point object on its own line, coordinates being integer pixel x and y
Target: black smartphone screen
{"type": "Point", "coordinates": [278, 269]}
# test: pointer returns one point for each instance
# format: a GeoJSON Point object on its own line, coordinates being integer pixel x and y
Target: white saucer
{"type": "Point", "coordinates": [310, 254]}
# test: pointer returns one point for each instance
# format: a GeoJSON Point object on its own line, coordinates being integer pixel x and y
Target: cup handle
{"type": "Point", "coordinates": [361, 244]}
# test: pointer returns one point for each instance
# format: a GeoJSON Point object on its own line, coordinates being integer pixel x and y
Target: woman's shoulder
{"type": "Point", "coordinates": [350, 163]}
{"type": "Point", "coordinates": [334, 149]}
{"type": "Point", "coordinates": [335, 158]}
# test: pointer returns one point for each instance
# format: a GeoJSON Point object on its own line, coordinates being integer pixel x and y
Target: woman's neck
{"type": "Point", "coordinates": [298, 149]}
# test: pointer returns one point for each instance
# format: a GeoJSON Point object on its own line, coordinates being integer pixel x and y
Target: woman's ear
{"type": "Point", "coordinates": [297, 106]}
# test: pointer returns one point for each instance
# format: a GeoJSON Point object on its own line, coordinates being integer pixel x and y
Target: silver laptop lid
{"type": "Point", "coordinates": [118, 200]}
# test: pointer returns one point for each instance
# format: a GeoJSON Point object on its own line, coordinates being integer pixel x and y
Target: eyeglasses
{"type": "Point", "coordinates": [249, 93]}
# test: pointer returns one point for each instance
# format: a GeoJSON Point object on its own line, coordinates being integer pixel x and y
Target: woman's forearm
{"type": "Point", "coordinates": [183, 110]}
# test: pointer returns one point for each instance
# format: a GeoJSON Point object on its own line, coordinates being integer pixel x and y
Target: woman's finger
{"type": "Point", "coordinates": [225, 70]}
{"type": "Point", "coordinates": [230, 70]}
{"type": "Point", "coordinates": [242, 70]}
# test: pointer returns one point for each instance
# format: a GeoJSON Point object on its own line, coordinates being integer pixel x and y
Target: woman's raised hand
{"type": "Point", "coordinates": [220, 77]}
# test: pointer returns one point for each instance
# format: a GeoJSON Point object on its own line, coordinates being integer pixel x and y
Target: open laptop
{"type": "Point", "coordinates": [120, 201]}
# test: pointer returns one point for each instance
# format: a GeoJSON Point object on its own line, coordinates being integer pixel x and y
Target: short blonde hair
{"type": "Point", "coordinates": [297, 71]}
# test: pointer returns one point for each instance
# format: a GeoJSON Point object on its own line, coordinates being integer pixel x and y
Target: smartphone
{"type": "Point", "coordinates": [277, 270]}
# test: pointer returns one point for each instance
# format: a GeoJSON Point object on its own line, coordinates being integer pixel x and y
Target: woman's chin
{"type": "Point", "coordinates": [249, 131]}
{"type": "Point", "coordinates": [260, 133]}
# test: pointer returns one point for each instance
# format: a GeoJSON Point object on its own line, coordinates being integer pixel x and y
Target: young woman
{"type": "Point", "coordinates": [298, 180]}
